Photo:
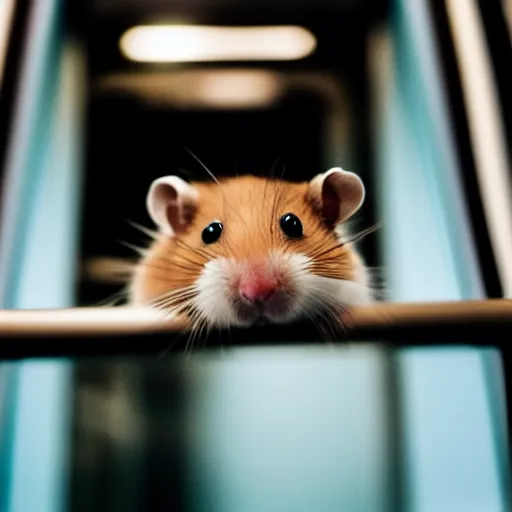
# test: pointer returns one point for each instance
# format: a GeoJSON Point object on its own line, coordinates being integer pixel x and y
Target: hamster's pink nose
{"type": "Point", "coordinates": [258, 289]}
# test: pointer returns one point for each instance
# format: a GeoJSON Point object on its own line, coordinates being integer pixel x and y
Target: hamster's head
{"type": "Point", "coordinates": [249, 250]}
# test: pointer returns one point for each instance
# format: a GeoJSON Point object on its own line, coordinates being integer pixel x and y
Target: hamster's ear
{"type": "Point", "coordinates": [336, 194]}
{"type": "Point", "coordinates": [171, 203]}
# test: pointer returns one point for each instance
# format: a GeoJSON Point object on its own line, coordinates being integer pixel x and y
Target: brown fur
{"type": "Point", "coordinates": [250, 209]}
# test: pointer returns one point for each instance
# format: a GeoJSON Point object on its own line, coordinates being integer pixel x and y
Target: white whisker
{"type": "Point", "coordinates": [358, 236]}
{"type": "Point", "coordinates": [154, 235]}
{"type": "Point", "coordinates": [114, 299]}
{"type": "Point", "coordinates": [210, 173]}
{"type": "Point", "coordinates": [139, 250]}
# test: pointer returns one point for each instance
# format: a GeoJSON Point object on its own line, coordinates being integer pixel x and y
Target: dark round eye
{"type": "Point", "coordinates": [212, 232]}
{"type": "Point", "coordinates": [291, 225]}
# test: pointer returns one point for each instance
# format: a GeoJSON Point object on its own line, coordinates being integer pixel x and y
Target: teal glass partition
{"type": "Point", "coordinates": [39, 244]}
{"type": "Point", "coordinates": [454, 443]}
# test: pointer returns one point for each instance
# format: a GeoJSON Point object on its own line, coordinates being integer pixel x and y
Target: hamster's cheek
{"type": "Point", "coordinates": [292, 269]}
{"type": "Point", "coordinates": [318, 294]}
{"type": "Point", "coordinates": [146, 287]}
{"type": "Point", "coordinates": [213, 299]}
{"type": "Point", "coordinates": [352, 293]}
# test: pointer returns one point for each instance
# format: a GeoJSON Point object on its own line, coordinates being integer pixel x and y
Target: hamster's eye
{"type": "Point", "coordinates": [212, 232]}
{"type": "Point", "coordinates": [291, 225]}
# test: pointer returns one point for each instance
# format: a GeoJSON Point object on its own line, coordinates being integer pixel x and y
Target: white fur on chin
{"type": "Point", "coordinates": [311, 293]}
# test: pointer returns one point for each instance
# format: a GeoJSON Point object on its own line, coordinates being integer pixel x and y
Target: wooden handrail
{"type": "Point", "coordinates": [106, 321]}
{"type": "Point", "coordinates": [126, 331]}
{"type": "Point", "coordinates": [84, 322]}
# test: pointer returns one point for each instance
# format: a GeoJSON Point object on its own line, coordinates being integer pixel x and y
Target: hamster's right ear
{"type": "Point", "coordinates": [336, 194]}
{"type": "Point", "coordinates": [171, 203]}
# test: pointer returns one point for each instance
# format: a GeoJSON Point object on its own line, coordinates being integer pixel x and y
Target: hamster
{"type": "Point", "coordinates": [248, 250]}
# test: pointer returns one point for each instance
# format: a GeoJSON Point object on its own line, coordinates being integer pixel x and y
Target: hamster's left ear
{"type": "Point", "coordinates": [336, 194]}
{"type": "Point", "coordinates": [171, 203]}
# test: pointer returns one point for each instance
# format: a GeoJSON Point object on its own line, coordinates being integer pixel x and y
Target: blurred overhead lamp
{"type": "Point", "coordinates": [193, 43]}
{"type": "Point", "coordinates": [238, 89]}
{"type": "Point", "coordinates": [200, 88]}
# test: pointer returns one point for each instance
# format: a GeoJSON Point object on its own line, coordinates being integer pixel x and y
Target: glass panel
{"type": "Point", "coordinates": [448, 423]}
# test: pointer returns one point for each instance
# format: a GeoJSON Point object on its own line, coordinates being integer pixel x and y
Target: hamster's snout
{"type": "Point", "coordinates": [261, 290]}
{"type": "Point", "coordinates": [255, 289]}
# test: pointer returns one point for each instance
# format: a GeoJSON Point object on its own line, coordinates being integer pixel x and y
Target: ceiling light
{"type": "Point", "coordinates": [237, 89]}
{"type": "Point", "coordinates": [207, 88]}
{"type": "Point", "coordinates": [192, 43]}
